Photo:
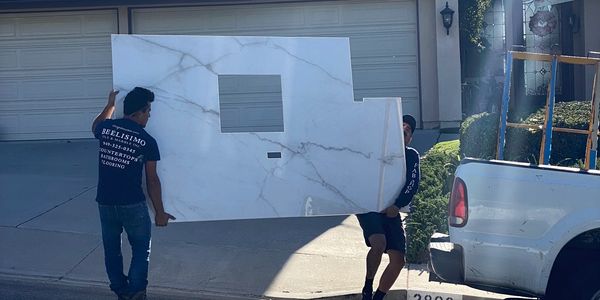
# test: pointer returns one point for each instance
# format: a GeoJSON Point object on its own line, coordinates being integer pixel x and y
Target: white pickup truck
{"type": "Point", "coordinates": [522, 229]}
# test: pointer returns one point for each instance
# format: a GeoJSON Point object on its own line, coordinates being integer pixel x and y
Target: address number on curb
{"type": "Point", "coordinates": [424, 295]}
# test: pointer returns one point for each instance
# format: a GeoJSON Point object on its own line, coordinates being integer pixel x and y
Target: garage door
{"type": "Point", "coordinates": [55, 72]}
{"type": "Point", "coordinates": [383, 35]}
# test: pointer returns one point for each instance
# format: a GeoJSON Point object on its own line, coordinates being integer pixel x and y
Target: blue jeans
{"type": "Point", "coordinates": [134, 218]}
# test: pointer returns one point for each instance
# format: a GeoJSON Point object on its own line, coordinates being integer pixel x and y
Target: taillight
{"type": "Point", "coordinates": [458, 210]}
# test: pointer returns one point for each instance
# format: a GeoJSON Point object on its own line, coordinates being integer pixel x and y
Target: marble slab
{"type": "Point", "coordinates": [337, 156]}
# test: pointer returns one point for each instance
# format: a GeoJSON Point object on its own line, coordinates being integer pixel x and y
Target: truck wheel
{"type": "Point", "coordinates": [575, 275]}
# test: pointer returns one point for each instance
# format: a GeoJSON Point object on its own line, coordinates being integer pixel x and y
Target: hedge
{"type": "Point", "coordinates": [479, 135]}
{"type": "Point", "coordinates": [430, 204]}
{"type": "Point", "coordinates": [567, 148]}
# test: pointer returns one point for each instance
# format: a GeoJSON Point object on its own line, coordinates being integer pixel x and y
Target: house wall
{"type": "Point", "coordinates": [383, 36]}
{"type": "Point", "coordinates": [439, 66]}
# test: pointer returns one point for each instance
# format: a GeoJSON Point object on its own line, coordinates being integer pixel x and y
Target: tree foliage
{"type": "Point", "coordinates": [471, 22]}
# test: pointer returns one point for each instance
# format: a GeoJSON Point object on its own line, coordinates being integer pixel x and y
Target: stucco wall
{"type": "Point", "coordinates": [428, 64]}
{"type": "Point", "coordinates": [448, 68]}
{"type": "Point", "coordinates": [440, 66]}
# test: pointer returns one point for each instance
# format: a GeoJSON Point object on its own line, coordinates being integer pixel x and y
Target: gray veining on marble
{"type": "Point", "coordinates": [338, 156]}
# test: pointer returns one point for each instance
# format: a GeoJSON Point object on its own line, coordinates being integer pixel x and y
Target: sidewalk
{"type": "Point", "coordinates": [50, 231]}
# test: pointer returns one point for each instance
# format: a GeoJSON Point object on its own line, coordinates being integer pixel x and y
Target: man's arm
{"type": "Point", "coordinates": [410, 187]}
{"type": "Point", "coordinates": [161, 218]}
{"type": "Point", "coordinates": [412, 179]}
{"type": "Point", "coordinates": [108, 110]}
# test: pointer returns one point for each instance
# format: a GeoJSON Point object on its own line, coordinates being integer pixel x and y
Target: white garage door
{"type": "Point", "coordinates": [55, 72]}
{"type": "Point", "coordinates": [383, 35]}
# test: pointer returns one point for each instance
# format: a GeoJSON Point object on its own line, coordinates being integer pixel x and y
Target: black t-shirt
{"type": "Point", "coordinates": [124, 148]}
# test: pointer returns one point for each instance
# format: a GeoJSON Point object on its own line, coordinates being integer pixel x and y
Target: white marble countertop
{"type": "Point", "coordinates": [338, 156]}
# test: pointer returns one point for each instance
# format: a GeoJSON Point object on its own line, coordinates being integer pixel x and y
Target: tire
{"type": "Point", "coordinates": [575, 275]}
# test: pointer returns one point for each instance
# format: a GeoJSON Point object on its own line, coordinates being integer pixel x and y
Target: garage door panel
{"type": "Point", "coordinates": [144, 22]}
{"type": "Point", "coordinates": [83, 94]}
{"type": "Point", "coordinates": [51, 104]}
{"type": "Point", "coordinates": [69, 24]}
{"type": "Point", "coordinates": [8, 90]}
{"type": "Point", "coordinates": [368, 12]}
{"type": "Point", "coordinates": [98, 87]}
{"type": "Point", "coordinates": [43, 26]}
{"type": "Point", "coordinates": [8, 59]}
{"type": "Point", "coordinates": [96, 25]}
{"type": "Point", "coordinates": [384, 91]}
{"type": "Point", "coordinates": [55, 69]}
{"type": "Point", "coordinates": [7, 29]}
{"type": "Point", "coordinates": [46, 122]}
{"type": "Point", "coordinates": [47, 58]}
{"type": "Point", "coordinates": [365, 78]}
{"type": "Point", "coordinates": [408, 93]}
{"type": "Point", "coordinates": [270, 17]}
{"type": "Point", "coordinates": [411, 106]}
{"type": "Point", "coordinates": [97, 56]}
{"type": "Point", "coordinates": [323, 16]}
{"type": "Point", "coordinates": [63, 57]}
{"type": "Point", "coordinates": [53, 74]}
{"type": "Point", "coordinates": [389, 44]}
{"type": "Point", "coordinates": [383, 34]}
{"type": "Point", "coordinates": [9, 124]}
{"type": "Point", "coordinates": [383, 61]}
{"type": "Point", "coordinates": [221, 21]}
{"type": "Point", "coordinates": [37, 124]}
{"type": "Point", "coordinates": [60, 88]}
{"type": "Point", "coordinates": [274, 17]}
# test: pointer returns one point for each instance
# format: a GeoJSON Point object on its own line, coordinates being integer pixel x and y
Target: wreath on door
{"type": "Point", "coordinates": [543, 23]}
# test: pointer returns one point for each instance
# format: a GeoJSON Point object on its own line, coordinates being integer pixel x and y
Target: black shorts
{"type": "Point", "coordinates": [378, 223]}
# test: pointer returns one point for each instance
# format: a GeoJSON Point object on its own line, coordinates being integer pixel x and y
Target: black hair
{"type": "Point", "coordinates": [137, 100]}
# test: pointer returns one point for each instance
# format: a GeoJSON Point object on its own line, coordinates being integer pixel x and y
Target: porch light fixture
{"type": "Point", "coordinates": [447, 14]}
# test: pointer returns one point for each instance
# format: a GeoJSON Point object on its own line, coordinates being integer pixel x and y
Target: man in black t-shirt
{"type": "Point", "coordinates": [383, 231]}
{"type": "Point", "coordinates": [125, 150]}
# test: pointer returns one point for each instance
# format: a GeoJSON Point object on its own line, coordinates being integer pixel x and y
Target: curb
{"type": "Point", "coordinates": [159, 293]}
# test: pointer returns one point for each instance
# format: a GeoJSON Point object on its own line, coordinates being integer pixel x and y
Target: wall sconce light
{"type": "Point", "coordinates": [447, 14]}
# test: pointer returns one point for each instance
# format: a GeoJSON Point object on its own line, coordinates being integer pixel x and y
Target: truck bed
{"type": "Point", "coordinates": [520, 216]}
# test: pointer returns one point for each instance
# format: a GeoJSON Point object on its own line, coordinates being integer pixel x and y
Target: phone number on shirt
{"type": "Point", "coordinates": [118, 147]}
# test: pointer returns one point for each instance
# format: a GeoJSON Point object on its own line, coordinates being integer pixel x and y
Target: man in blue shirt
{"type": "Point", "coordinates": [383, 231]}
{"type": "Point", "coordinates": [125, 150]}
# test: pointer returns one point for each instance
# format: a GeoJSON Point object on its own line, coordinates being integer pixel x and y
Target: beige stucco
{"type": "Point", "coordinates": [428, 64]}
{"type": "Point", "coordinates": [448, 62]}
{"type": "Point", "coordinates": [440, 66]}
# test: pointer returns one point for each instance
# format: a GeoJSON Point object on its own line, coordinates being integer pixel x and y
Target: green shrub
{"type": "Point", "coordinates": [566, 147]}
{"type": "Point", "coordinates": [479, 134]}
{"type": "Point", "coordinates": [430, 204]}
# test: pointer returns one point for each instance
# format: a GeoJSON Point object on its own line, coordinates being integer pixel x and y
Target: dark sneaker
{"type": "Point", "coordinates": [141, 295]}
